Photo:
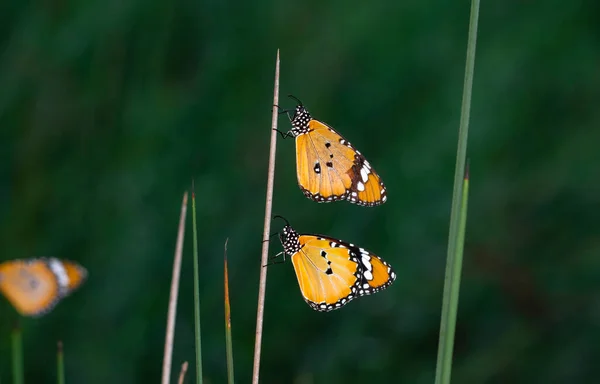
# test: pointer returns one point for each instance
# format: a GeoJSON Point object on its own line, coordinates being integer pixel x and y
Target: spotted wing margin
{"type": "Point", "coordinates": [329, 168]}
{"type": "Point", "coordinates": [367, 187]}
{"type": "Point", "coordinates": [376, 273]}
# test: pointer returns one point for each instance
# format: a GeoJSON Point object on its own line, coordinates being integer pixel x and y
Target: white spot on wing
{"type": "Point", "coordinates": [364, 173]}
{"type": "Point", "coordinates": [59, 270]}
{"type": "Point", "coordinates": [360, 186]}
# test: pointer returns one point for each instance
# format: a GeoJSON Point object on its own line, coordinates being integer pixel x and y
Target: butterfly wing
{"type": "Point", "coordinates": [376, 273]}
{"type": "Point", "coordinates": [331, 272]}
{"type": "Point", "coordinates": [35, 286]}
{"type": "Point", "coordinates": [76, 275]}
{"type": "Point", "coordinates": [30, 285]}
{"type": "Point", "coordinates": [329, 168]}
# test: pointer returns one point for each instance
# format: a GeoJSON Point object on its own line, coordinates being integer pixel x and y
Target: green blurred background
{"type": "Point", "coordinates": [108, 109]}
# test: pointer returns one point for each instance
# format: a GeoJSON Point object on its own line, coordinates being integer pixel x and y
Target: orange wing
{"type": "Point", "coordinates": [76, 275]}
{"type": "Point", "coordinates": [35, 286]}
{"type": "Point", "coordinates": [329, 168]}
{"type": "Point", "coordinates": [331, 272]}
{"type": "Point", "coordinates": [376, 273]}
{"type": "Point", "coordinates": [30, 285]}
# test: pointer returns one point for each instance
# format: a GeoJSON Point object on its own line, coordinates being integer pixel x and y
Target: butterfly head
{"type": "Point", "coordinates": [300, 119]}
{"type": "Point", "coordinates": [289, 238]}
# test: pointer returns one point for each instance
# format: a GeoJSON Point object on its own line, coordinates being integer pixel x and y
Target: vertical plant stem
{"type": "Point", "coordinates": [196, 291]}
{"type": "Point", "coordinates": [184, 368]}
{"type": "Point", "coordinates": [17, 355]}
{"type": "Point", "coordinates": [170, 332]}
{"type": "Point", "coordinates": [267, 225]}
{"type": "Point", "coordinates": [454, 288]}
{"type": "Point", "coordinates": [228, 341]}
{"type": "Point", "coordinates": [454, 260]}
{"type": "Point", "coordinates": [60, 363]}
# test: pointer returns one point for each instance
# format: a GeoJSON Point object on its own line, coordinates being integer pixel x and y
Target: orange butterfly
{"type": "Point", "coordinates": [35, 286]}
{"type": "Point", "coordinates": [332, 272]}
{"type": "Point", "coordinates": [328, 167]}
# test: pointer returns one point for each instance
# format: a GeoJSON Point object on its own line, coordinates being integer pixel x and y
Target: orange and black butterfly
{"type": "Point", "coordinates": [328, 167]}
{"type": "Point", "coordinates": [35, 286]}
{"type": "Point", "coordinates": [332, 272]}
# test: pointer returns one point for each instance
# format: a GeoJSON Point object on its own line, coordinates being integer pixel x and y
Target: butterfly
{"type": "Point", "coordinates": [332, 272]}
{"type": "Point", "coordinates": [328, 167]}
{"type": "Point", "coordinates": [35, 286]}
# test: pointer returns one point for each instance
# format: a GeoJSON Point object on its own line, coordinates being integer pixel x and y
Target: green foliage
{"type": "Point", "coordinates": [60, 364]}
{"type": "Point", "coordinates": [458, 216]}
{"type": "Point", "coordinates": [18, 371]}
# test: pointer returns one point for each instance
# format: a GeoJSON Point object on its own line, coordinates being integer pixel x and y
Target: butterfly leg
{"type": "Point", "coordinates": [273, 259]}
{"type": "Point", "coordinates": [285, 135]}
{"type": "Point", "coordinates": [286, 111]}
{"type": "Point", "coordinates": [272, 234]}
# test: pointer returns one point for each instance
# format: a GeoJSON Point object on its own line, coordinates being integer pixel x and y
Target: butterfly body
{"type": "Point", "coordinates": [35, 286]}
{"type": "Point", "coordinates": [332, 272]}
{"type": "Point", "coordinates": [329, 168]}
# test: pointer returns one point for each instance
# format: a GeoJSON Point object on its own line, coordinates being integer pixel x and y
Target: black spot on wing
{"type": "Point", "coordinates": [317, 168]}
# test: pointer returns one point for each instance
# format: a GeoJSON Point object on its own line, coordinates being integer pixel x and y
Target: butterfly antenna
{"type": "Point", "coordinates": [284, 219]}
{"type": "Point", "coordinates": [295, 98]}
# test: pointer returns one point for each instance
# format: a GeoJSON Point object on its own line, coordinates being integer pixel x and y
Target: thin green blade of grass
{"type": "Point", "coordinates": [262, 285]}
{"type": "Point", "coordinates": [453, 285]}
{"type": "Point", "coordinates": [198, 342]}
{"type": "Point", "coordinates": [454, 260]}
{"type": "Point", "coordinates": [17, 355]}
{"type": "Point", "coordinates": [228, 342]}
{"type": "Point", "coordinates": [172, 311]}
{"type": "Point", "coordinates": [60, 363]}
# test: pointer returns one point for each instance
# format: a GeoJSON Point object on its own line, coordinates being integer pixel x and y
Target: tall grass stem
{"type": "Point", "coordinates": [184, 368]}
{"type": "Point", "coordinates": [228, 341]}
{"type": "Point", "coordinates": [60, 363]}
{"type": "Point", "coordinates": [454, 259]}
{"type": "Point", "coordinates": [17, 355]}
{"type": "Point", "coordinates": [197, 333]}
{"type": "Point", "coordinates": [262, 286]}
{"type": "Point", "coordinates": [172, 310]}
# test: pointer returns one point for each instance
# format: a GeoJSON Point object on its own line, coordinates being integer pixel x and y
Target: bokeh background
{"type": "Point", "coordinates": [108, 109]}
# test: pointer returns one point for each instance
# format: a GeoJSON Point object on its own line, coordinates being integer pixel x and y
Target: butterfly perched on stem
{"type": "Point", "coordinates": [328, 167]}
{"type": "Point", "coordinates": [332, 272]}
{"type": "Point", "coordinates": [35, 286]}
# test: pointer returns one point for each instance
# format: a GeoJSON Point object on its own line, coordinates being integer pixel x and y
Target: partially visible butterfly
{"type": "Point", "coordinates": [332, 272]}
{"type": "Point", "coordinates": [328, 167]}
{"type": "Point", "coordinates": [35, 286]}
